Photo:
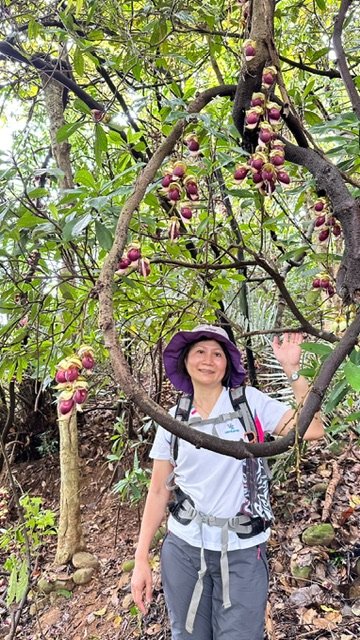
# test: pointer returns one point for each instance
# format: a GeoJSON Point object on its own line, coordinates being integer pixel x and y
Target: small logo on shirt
{"type": "Point", "coordinates": [230, 428]}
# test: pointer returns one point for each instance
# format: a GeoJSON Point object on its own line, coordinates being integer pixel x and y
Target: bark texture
{"type": "Point", "coordinates": [70, 537]}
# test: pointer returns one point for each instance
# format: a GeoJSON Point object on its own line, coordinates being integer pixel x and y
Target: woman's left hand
{"type": "Point", "coordinates": [288, 351]}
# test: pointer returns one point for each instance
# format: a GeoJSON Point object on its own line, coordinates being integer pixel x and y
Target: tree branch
{"type": "Point", "coordinates": [341, 60]}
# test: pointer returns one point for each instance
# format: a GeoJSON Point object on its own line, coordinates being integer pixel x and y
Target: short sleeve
{"type": "Point", "coordinates": [266, 409]}
{"type": "Point", "coordinates": [161, 446]}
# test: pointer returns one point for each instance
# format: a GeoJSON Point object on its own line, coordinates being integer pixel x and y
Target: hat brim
{"type": "Point", "coordinates": [180, 379]}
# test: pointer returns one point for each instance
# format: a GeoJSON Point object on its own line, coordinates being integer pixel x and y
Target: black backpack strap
{"type": "Point", "coordinates": [182, 413]}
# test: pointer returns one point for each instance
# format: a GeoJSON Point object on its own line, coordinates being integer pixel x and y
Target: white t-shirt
{"type": "Point", "coordinates": [215, 481]}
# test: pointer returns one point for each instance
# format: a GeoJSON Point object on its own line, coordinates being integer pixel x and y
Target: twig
{"type": "Point", "coordinates": [330, 491]}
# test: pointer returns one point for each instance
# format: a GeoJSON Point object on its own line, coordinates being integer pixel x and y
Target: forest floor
{"type": "Point", "coordinates": [325, 605]}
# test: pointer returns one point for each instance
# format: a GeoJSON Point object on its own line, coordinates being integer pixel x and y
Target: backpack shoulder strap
{"type": "Point", "coordinates": [241, 406]}
{"type": "Point", "coordinates": [182, 413]}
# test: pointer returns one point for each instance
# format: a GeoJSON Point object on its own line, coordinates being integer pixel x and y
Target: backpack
{"type": "Point", "coordinates": [256, 474]}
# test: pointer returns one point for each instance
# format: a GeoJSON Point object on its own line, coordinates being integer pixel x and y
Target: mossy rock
{"type": "Point", "coordinates": [319, 489]}
{"type": "Point", "coordinates": [44, 585]}
{"type": "Point", "coordinates": [301, 572]}
{"type": "Point", "coordinates": [319, 534]}
{"type": "Point", "coordinates": [83, 559]}
{"type": "Point", "coordinates": [83, 576]}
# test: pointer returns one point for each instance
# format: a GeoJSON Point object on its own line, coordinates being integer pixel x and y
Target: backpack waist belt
{"type": "Point", "coordinates": [183, 510]}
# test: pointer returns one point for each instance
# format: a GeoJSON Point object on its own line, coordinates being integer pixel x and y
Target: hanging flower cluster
{"type": "Point", "coordinates": [133, 259]}
{"type": "Point", "coordinates": [323, 281]}
{"type": "Point", "coordinates": [4, 504]}
{"type": "Point", "coordinates": [325, 223]}
{"type": "Point", "coordinates": [181, 188]}
{"type": "Point", "coordinates": [265, 166]}
{"type": "Point", "coordinates": [71, 384]}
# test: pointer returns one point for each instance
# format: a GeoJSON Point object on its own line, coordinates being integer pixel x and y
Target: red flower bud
{"type": "Point", "coordinates": [193, 145]}
{"type": "Point", "coordinates": [277, 158]}
{"type": "Point", "coordinates": [179, 169]}
{"type": "Point", "coordinates": [252, 117]}
{"type": "Point", "coordinates": [336, 230]}
{"type": "Point", "coordinates": [249, 49]}
{"type": "Point", "coordinates": [319, 205]}
{"type": "Point", "coordinates": [60, 376]}
{"type": "Point", "coordinates": [241, 172]}
{"type": "Point", "coordinates": [174, 194]}
{"type": "Point", "coordinates": [80, 396]}
{"type": "Point", "coordinates": [71, 374]}
{"type": "Point", "coordinates": [316, 283]}
{"type": "Point", "coordinates": [274, 115]}
{"type": "Point", "coordinates": [65, 406]}
{"type": "Point", "coordinates": [191, 188]}
{"type": "Point", "coordinates": [186, 213]}
{"type": "Point", "coordinates": [97, 115]}
{"type": "Point", "coordinates": [257, 178]}
{"type": "Point", "coordinates": [257, 100]}
{"type": "Point", "coordinates": [134, 253]}
{"type": "Point", "coordinates": [268, 77]}
{"type": "Point", "coordinates": [324, 282]}
{"type": "Point", "coordinates": [268, 172]}
{"type": "Point", "coordinates": [167, 179]}
{"type": "Point", "coordinates": [323, 235]}
{"type": "Point", "coordinates": [319, 221]}
{"type": "Point", "coordinates": [123, 264]}
{"type": "Point", "coordinates": [88, 361]}
{"type": "Point", "coordinates": [283, 177]}
{"type": "Point", "coordinates": [265, 135]}
{"type": "Point", "coordinates": [257, 162]}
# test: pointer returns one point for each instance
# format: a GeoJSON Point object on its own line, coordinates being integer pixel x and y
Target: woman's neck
{"type": "Point", "coordinates": [205, 399]}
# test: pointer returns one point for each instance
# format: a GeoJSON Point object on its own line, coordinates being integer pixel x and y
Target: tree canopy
{"type": "Point", "coordinates": [218, 142]}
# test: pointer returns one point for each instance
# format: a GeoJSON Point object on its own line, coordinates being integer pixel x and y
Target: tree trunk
{"type": "Point", "coordinates": [70, 537]}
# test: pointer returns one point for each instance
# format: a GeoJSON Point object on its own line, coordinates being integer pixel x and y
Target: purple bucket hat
{"type": "Point", "coordinates": [182, 339]}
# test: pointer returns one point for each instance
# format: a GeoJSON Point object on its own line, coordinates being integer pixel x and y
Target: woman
{"type": "Point", "coordinates": [215, 577]}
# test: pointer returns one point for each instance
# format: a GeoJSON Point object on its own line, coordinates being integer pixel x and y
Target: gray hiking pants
{"type": "Point", "coordinates": [248, 571]}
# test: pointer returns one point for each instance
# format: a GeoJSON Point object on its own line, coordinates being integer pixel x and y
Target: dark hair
{"type": "Point", "coordinates": [181, 366]}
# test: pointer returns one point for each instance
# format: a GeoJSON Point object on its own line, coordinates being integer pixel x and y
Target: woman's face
{"type": "Point", "coordinates": [206, 363]}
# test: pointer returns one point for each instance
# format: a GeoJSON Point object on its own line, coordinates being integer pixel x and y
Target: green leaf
{"type": "Point", "coordinates": [67, 130]}
{"type": "Point", "coordinates": [352, 375]}
{"type": "Point", "coordinates": [85, 177]}
{"type": "Point", "coordinates": [337, 394]}
{"type": "Point", "coordinates": [73, 228]}
{"type": "Point", "coordinates": [100, 143]}
{"type": "Point", "coordinates": [11, 592]}
{"type": "Point", "coordinates": [79, 62]}
{"type": "Point", "coordinates": [34, 29]}
{"type": "Point", "coordinates": [321, 4]}
{"type": "Point", "coordinates": [103, 235]}
{"type": "Point", "coordinates": [22, 582]}
{"type": "Point", "coordinates": [317, 348]}
{"type": "Point", "coordinates": [39, 192]}
{"type": "Point", "coordinates": [312, 118]}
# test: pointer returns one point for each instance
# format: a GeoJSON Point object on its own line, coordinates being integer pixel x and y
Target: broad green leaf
{"type": "Point", "coordinates": [79, 61]}
{"type": "Point", "coordinates": [100, 143]}
{"type": "Point", "coordinates": [23, 581]}
{"type": "Point", "coordinates": [12, 586]}
{"type": "Point", "coordinates": [103, 235]}
{"type": "Point", "coordinates": [336, 395]}
{"type": "Point", "coordinates": [352, 375]}
{"type": "Point", "coordinates": [85, 177]}
{"type": "Point", "coordinates": [316, 347]}
{"type": "Point", "coordinates": [74, 228]}
{"type": "Point", "coordinates": [321, 4]}
{"type": "Point", "coordinates": [67, 130]}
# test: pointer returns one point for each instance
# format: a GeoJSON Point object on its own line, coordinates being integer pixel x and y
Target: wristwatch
{"type": "Point", "coordinates": [294, 376]}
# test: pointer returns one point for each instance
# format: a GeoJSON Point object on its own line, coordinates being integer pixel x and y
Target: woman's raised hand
{"type": "Point", "coordinates": [288, 351]}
